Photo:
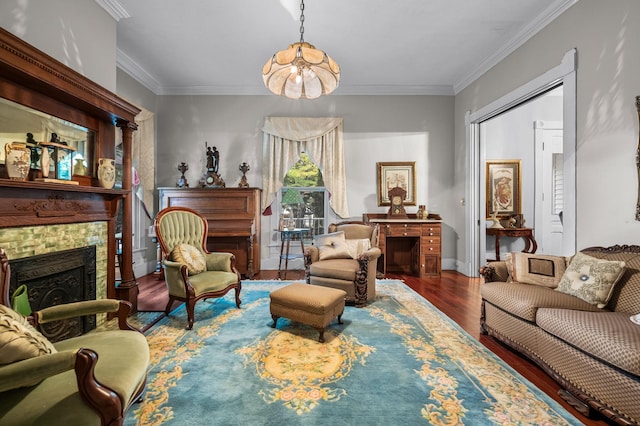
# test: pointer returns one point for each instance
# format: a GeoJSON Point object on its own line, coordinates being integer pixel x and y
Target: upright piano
{"type": "Point", "coordinates": [233, 215]}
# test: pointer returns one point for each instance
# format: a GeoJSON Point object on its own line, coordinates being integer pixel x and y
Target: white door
{"type": "Point", "coordinates": [549, 189]}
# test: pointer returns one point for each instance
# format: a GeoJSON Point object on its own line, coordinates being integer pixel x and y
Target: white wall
{"type": "Point", "coordinates": [376, 129]}
{"type": "Point", "coordinates": [604, 34]}
{"type": "Point", "coordinates": [78, 33]}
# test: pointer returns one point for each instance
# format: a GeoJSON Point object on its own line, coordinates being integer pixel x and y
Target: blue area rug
{"type": "Point", "coordinates": [398, 361]}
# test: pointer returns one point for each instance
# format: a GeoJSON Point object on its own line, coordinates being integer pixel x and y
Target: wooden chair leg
{"type": "Point", "coordinates": [238, 301]}
{"type": "Point", "coordinates": [167, 310]}
{"type": "Point", "coordinates": [191, 305]}
{"type": "Point", "coordinates": [275, 320]}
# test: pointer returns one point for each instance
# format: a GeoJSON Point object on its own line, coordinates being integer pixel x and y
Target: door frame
{"type": "Point", "coordinates": [563, 74]}
{"type": "Point", "coordinates": [542, 178]}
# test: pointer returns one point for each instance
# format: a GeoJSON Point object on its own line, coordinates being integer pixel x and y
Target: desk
{"type": "Point", "coordinates": [526, 233]}
{"type": "Point", "coordinates": [286, 235]}
{"type": "Point", "coordinates": [409, 246]}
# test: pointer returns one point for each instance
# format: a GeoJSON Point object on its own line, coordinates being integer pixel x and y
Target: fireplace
{"type": "Point", "coordinates": [57, 278]}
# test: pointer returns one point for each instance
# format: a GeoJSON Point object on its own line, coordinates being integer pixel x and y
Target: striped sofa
{"type": "Point", "coordinates": [594, 354]}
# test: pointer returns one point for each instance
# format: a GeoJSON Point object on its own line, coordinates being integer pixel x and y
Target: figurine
{"type": "Point", "coordinates": [213, 159]}
{"type": "Point", "coordinates": [211, 177]}
{"type": "Point", "coordinates": [244, 168]}
{"type": "Point", "coordinates": [182, 180]}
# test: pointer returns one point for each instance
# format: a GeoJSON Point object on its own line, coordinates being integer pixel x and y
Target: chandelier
{"type": "Point", "coordinates": [301, 70]}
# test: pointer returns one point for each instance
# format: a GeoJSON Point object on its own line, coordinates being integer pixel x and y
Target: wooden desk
{"type": "Point", "coordinates": [527, 233]}
{"type": "Point", "coordinates": [233, 215]}
{"type": "Point", "coordinates": [409, 246]}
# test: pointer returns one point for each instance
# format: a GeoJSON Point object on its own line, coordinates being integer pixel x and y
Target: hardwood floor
{"type": "Point", "coordinates": [456, 295]}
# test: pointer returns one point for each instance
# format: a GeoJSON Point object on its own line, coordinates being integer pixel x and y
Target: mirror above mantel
{"type": "Point", "coordinates": [70, 145]}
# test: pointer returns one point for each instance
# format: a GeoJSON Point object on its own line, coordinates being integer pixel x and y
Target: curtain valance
{"type": "Point", "coordinates": [300, 128]}
{"type": "Point", "coordinates": [321, 139]}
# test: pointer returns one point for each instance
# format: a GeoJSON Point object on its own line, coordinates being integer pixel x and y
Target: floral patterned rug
{"type": "Point", "coordinates": [396, 361]}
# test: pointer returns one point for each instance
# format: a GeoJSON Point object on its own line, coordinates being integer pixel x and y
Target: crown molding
{"type": "Point", "coordinates": [534, 27]}
{"type": "Point", "coordinates": [114, 8]}
{"type": "Point", "coordinates": [341, 90]}
{"type": "Point", "coordinates": [131, 67]}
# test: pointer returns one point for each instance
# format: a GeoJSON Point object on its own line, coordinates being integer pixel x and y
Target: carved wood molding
{"type": "Point", "coordinates": [624, 248]}
{"type": "Point", "coordinates": [55, 205]}
{"type": "Point", "coordinates": [19, 57]}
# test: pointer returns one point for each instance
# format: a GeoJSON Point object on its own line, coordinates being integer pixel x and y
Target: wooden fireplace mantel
{"type": "Point", "coordinates": [36, 203]}
{"type": "Point", "coordinates": [35, 80]}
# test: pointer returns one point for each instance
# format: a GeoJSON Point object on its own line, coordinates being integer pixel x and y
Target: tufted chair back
{"type": "Point", "coordinates": [180, 225]}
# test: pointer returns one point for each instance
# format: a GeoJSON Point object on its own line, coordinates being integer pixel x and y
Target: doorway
{"type": "Point", "coordinates": [517, 135]}
{"type": "Point", "coordinates": [562, 75]}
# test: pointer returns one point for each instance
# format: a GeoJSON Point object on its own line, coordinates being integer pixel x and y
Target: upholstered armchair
{"type": "Point", "coordinates": [346, 258]}
{"type": "Point", "coordinates": [191, 272]}
{"type": "Point", "coordinates": [86, 380]}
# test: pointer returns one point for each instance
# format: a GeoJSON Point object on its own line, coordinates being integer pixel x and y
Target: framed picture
{"type": "Point", "coordinates": [503, 188]}
{"type": "Point", "coordinates": [397, 174]}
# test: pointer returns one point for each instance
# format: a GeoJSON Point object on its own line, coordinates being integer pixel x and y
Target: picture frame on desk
{"type": "Point", "coordinates": [504, 187]}
{"type": "Point", "coordinates": [396, 174]}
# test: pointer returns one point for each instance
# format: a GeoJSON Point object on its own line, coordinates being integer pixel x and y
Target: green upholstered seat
{"type": "Point", "coordinates": [91, 380]}
{"type": "Point", "coordinates": [176, 226]}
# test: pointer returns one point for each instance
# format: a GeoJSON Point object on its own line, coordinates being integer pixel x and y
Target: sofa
{"type": "Point", "coordinates": [543, 307]}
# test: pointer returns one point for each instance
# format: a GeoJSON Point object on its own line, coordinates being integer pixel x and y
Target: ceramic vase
{"type": "Point", "coordinates": [17, 160]}
{"type": "Point", "coordinates": [79, 168]}
{"type": "Point", "coordinates": [106, 172]}
{"type": "Point", "coordinates": [45, 162]}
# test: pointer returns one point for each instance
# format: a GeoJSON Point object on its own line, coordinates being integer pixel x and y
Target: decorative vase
{"type": "Point", "coordinates": [79, 168]}
{"type": "Point", "coordinates": [45, 162]}
{"type": "Point", "coordinates": [17, 160]}
{"type": "Point", "coordinates": [106, 172]}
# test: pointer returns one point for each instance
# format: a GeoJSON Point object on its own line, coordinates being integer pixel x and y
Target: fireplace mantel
{"type": "Point", "coordinates": [35, 80]}
{"type": "Point", "coordinates": [36, 203]}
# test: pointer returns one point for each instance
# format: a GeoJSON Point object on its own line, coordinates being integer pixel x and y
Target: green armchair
{"type": "Point", "coordinates": [191, 272]}
{"type": "Point", "coordinates": [86, 380]}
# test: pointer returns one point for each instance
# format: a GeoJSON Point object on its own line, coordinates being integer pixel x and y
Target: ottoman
{"type": "Point", "coordinates": [308, 304]}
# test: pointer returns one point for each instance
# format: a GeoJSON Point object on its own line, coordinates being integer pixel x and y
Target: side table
{"type": "Point", "coordinates": [527, 233]}
{"type": "Point", "coordinates": [286, 235]}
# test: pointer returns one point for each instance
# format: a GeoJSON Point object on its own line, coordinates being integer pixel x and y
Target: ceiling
{"type": "Point", "coordinates": [382, 46]}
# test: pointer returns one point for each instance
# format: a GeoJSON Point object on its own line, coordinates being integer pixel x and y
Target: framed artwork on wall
{"type": "Point", "coordinates": [503, 188]}
{"type": "Point", "coordinates": [397, 174]}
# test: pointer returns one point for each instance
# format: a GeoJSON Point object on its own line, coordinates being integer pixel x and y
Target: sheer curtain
{"type": "Point", "coordinates": [321, 139]}
{"type": "Point", "coordinates": [142, 157]}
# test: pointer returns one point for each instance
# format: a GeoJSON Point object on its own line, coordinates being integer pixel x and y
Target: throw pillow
{"type": "Point", "coordinates": [591, 279]}
{"type": "Point", "coordinates": [20, 340]}
{"type": "Point", "coordinates": [191, 256]}
{"type": "Point", "coordinates": [357, 246]}
{"type": "Point", "coordinates": [332, 246]}
{"type": "Point", "coordinates": [537, 269]}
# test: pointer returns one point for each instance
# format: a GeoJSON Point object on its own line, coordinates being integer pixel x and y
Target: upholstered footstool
{"type": "Point", "coordinates": [308, 304]}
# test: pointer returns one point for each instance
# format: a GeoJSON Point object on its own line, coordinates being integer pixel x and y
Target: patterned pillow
{"type": "Point", "coordinates": [333, 246]}
{"type": "Point", "coordinates": [591, 279]}
{"type": "Point", "coordinates": [538, 269]}
{"type": "Point", "coordinates": [357, 246]}
{"type": "Point", "coordinates": [191, 256]}
{"type": "Point", "coordinates": [20, 340]}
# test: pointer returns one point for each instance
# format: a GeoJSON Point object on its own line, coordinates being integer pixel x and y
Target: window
{"type": "Point", "coordinates": [303, 197]}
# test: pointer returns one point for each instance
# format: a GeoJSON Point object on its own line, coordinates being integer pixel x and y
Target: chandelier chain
{"type": "Point", "coordinates": [301, 21]}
